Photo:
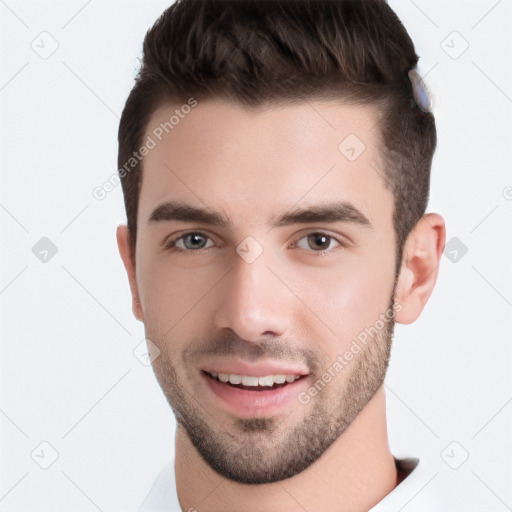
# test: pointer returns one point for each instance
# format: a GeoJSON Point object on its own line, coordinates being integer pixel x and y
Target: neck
{"type": "Point", "coordinates": [352, 475]}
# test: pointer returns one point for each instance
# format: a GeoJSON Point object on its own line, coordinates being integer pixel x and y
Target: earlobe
{"type": "Point", "coordinates": [125, 251]}
{"type": "Point", "coordinates": [420, 267]}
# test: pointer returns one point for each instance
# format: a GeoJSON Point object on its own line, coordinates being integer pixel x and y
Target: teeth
{"type": "Point", "coordinates": [266, 381]}
{"type": "Point", "coordinates": [247, 380]}
{"type": "Point", "coordinates": [235, 379]}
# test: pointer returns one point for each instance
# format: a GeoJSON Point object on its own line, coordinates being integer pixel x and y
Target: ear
{"type": "Point", "coordinates": [420, 267]}
{"type": "Point", "coordinates": [128, 257]}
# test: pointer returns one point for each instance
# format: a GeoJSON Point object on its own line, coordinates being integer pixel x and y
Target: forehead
{"type": "Point", "coordinates": [252, 163]}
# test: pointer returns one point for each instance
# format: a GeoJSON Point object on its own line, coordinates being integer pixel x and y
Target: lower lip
{"type": "Point", "coordinates": [247, 403]}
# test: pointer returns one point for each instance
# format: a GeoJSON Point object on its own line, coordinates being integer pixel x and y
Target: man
{"type": "Point", "coordinates": [275, 160]}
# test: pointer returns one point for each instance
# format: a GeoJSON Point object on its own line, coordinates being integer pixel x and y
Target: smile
{"type": "Point", "coordinates": [249, 381]}
{"type": "Point", "coordinates": [249, 396]}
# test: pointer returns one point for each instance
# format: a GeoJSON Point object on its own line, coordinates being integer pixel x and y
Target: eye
{"type": "Point", "coordinates": [192, 241]}
{"type": "Point", "coordinates": [318, 242]}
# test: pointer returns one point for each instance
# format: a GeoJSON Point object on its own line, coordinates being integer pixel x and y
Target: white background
{"type": "Point", "coordinates": [68, 373]}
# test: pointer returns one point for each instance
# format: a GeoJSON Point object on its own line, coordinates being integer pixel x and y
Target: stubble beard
{"type": "Point", "coordinates": [262, 450]}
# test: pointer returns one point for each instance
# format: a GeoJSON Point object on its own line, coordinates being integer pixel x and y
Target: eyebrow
{"type": "Point", "coordinates": [342, 211]}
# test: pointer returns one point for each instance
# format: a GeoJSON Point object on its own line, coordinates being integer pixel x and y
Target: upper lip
{"type": "Point", "coordinates": [261, 369]}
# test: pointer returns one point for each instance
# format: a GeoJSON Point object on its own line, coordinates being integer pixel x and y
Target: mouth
{"type": "Point", "coordinates": [249, 396]}
{"type": "Point", "coordinates": [253, 383]}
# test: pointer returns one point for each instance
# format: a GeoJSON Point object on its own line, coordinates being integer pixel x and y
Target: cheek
{"type": "Point", "coordinates": [172, 297]}
{"type": "Point", "coordinates": [350, 300]}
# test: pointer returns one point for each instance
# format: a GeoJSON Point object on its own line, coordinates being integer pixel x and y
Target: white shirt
{"type": "Point", "coordinates": [163, 497]}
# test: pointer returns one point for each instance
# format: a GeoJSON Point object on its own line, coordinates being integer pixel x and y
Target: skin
{"type": "Point", "coordinates": [302, 300]}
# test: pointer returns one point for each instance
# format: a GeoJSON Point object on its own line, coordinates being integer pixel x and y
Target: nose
{"type": "Point", "coordinates": [253, 302]}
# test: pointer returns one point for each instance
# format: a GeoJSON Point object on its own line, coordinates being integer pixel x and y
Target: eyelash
{"type": "Point", "coordinates": [171, 244]}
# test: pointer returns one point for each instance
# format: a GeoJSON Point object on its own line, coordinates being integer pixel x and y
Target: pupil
{"type": "Point", "coordinates": [195, 240]}
{"type": "Point", "coordinates": [319, 241]}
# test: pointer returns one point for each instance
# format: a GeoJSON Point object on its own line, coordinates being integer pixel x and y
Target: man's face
{"type": "Point", "coordinates": [258, 286]}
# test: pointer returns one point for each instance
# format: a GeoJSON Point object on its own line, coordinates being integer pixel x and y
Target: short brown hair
{"type": "Point", "coordinates": [259, 52]}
